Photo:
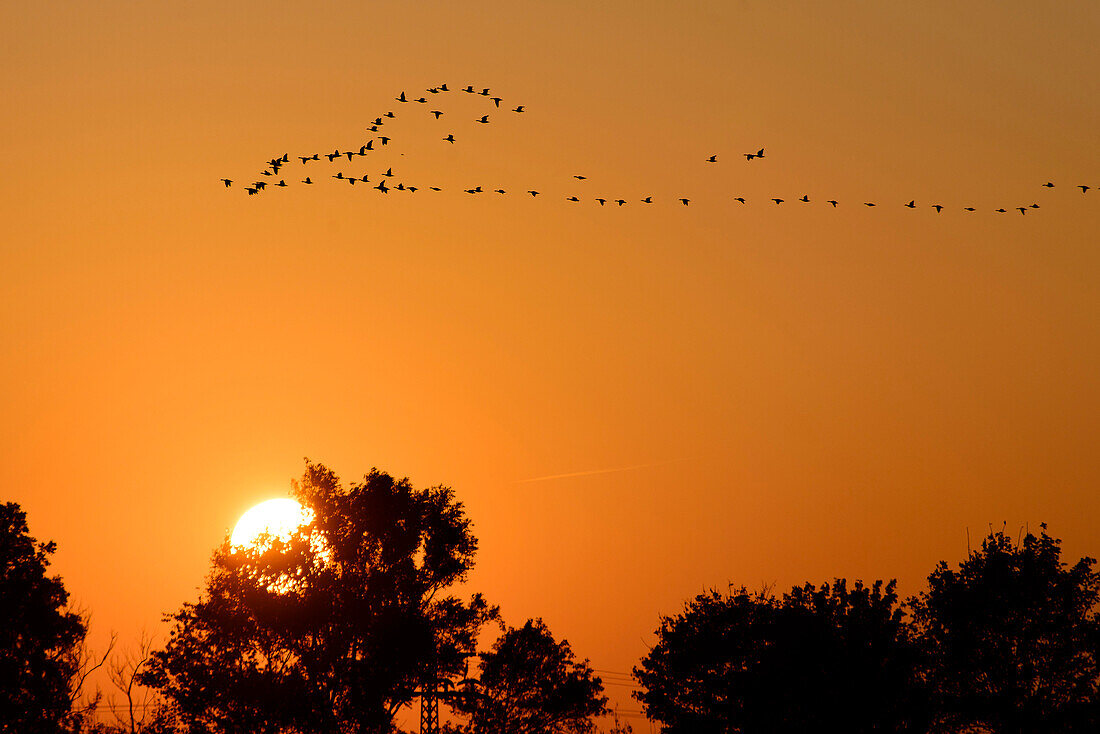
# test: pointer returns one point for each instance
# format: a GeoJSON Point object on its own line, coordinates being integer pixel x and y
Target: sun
{"type": "Point", "coordinates": [278, 518]}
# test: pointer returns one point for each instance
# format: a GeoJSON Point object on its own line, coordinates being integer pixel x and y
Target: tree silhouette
{"type": "Point", "coordinates": [334, 629]}
{"type": "Point", "coordinates": [817, 659]}
{"type": "Point", "coordinates": [531, 684]}
{"type": "Point", "coordinates": [41, 640]}
{"type": "Point", "coordinates": [1014, 639]}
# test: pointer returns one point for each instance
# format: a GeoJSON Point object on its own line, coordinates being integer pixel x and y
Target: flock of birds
{"type": "Point", "coordinates": [270, 175]}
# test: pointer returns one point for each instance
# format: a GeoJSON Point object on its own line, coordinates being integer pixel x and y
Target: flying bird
{"type": "Point", "coordinates": [484, 119]}
{"type": "Point", "coordinates": [571, 198]}
{"type": "Point", "coordinates": [912, 204]}
{"type": "Point", "coordinates": [281, 183]}
{"type": "Point", "coordinates": [435, 188]}
{"type": "Point", "coordinates": [443, 88]}
{"type": "Point", "coordinates": [496, 101]}
{"type": "Point", "coordinates": [422, 100]}
{"type": "Point", "coordinates": [1049, 185]}
{"type": "Point", "coordinates": [437, 113]}
{"type": "Point", "coordinates": [518, 109]}
{"type": "Point", "coordinates": [333, 155]}
{"type": "Point", "coordinates": [938, 208]}
{"type": "Point", "coordinates": [833, 202]}
{"type": "Point", "coordinates": [969, 209]}
{"type": "Point", "coordinates": [384, 139]}
{"type": "Point", "coordinates": [450, 138]}
{"type": "Point", "coordinates": [620, 202]}
{"type": "Point", "coordinates": [868, 203]}
{"type": "Point", "coordinates": [389, 172]}
{"type": "Point", "coordinates": [777, 201]}
{"type": "Point", "coordinates": [306, 180]}
{"type": "Point", "coordinates": [647, 200]}
{"type": "Point", "coordinates": [250, 191]}
{"type": "Point", "coordinates": [1000, 211]}
{"type": "Point", "coordinates": [533, 193]}
{"type": "Point", "coordinates": [739, 198]}
{"type": "Point", "coordinates": [228, 182]}
{"type": "Point", "coordinates": [580, 178]}
{"type": "Point", "coordinates": [602, 201]}
{"type": "Point", "coordinates": [500, 191]}
{"type": "Point", "coordinates": [712, 159]}
{"type": "Point", "coordinates": [382, 187]}
{"type": "Point", "coordinates": [390, 115]}
{"type": "Point", "coordinates": [401, 98]}
{"type": "Point", "coordinates": [1022, 209]}
{"type": "Point", "coordinates": [805, 198]}
{"type": "Point", "coordinates": [1084, 188]}
{"type": "Point", "coordinates": [685, 201]}
{"type": "Point", "coordinates": [485, 92]}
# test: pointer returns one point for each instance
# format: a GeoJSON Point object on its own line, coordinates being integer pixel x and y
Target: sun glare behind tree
{"type": "Point", "coordinates": [277, 518]}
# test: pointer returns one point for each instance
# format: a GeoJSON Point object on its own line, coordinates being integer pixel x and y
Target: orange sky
{"type": "Point", "coordinates": [800, 392]}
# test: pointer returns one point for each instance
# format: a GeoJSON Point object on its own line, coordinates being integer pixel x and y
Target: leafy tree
{"type": "Point", "coordinates": [531, 684]}
{"type": "Point", "coordinates": [1014, 639]}
{"type": "Point", "coordinates": [333, 629]}
{"type": "Point", "coordinates": [817, 659]}
{"type": "Point", "coordinates": [41, 640]}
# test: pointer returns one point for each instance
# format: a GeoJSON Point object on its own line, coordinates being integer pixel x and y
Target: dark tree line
{"type": "Point", "coordinates": [336, 629]}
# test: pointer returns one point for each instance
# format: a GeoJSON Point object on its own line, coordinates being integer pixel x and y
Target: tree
{"type": "Point", "coordinates": [531, 684]}
{"type": "Point", "coordinates": [1014, 639]}
{"type": "Point", "coordinates": [817, 659]}
{"type": "Point", "coordinates": [41, 640]}
{"type": "Point", "coordinates": [334, 629]}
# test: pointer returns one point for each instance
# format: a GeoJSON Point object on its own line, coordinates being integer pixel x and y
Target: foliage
{"type": "Point", "coordinates": [530, 683]}
{"type": "Point", "coordinates": [333, 630]}
{"type": "Point", "coordinates": [817, 659]}
{"type": "Point", "coordinates": [41, 640]}
{"type": "Point", "coordinates": [1014, 639]}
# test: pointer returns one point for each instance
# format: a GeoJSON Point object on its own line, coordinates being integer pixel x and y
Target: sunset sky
{"type": "Point", "coordinates": [635, 403]}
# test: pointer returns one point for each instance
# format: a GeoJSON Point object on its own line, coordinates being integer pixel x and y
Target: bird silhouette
{"type": "Point", "coordinates": [368, 146]}
{"type": "Point", "coordinates": [384, 139]}
{"type": "Point", "coordinates": [364, 179]}
{"type": "Point", "coordinates": [912, 204]}
{"type": "Point", "coordinates": [333, 155]}
{"type": "Point", "coordinates": [469, 88]}
{"type": "Point", "coordinates": [339, 174]}
{"type": "Point", "coordinates": [1034, 206]}
{"type": "Point", "coordinates": [411, 189]}
{"type": "Point", "coordinates": [647, 200]}
{"type": "Point", "coordinates": [389, 115]}
{"type": "Point", "coordinates": [421, 100]}
{"type": "Point", "coordinates": [500, 191]}
{"type": "Point", "coordinates": [805, 198]}
{"type": "Point", "coordinates": [739, 198]}
{"type": "Point", "coordinates": [938, 208]}
{"type": "Point", "coordinates": [777, 201]}
{"type": "Point", "coordinates": [712, 159]}
{"type": "Point", "coordinates": [1000, 211]}
{"type": "Point", "coordinates": [969, 209]}
{"type": "Point", "coordinates": [685, 202]}
{"type": "Point", "coordinates": [349, 154]}
{"type": "Point", "coordinates": [378, 121]}
{"type": "Point", "coordinates": [1084, 188]}
{"type": "Point", "coordinates": [1022, 209]}
{"type": "Point", "coordinates": [382, 187]}
{"type": "Point", "coordinates": [1049, 185]}
{"type": "Point", "coordinates": [450, 138]}
{"type": "Point", "coordinates": [306, 180]}
{"type": "Point", "coordinates": [868, 203]}
{"type": "Point", "coordinates": [484, 119]}
{"type": "Point", "coordinates": [496, 101]}
{"type": "Point", "coordinates": [484, 92]}
{"type": "Point", "coordinates": [260, 185]}
{"type": "Point", "coordinates": [400, 187]}
{"type": "Point", "coordinates": [533, 193]}
{"type": "Point", "coordinates": [580, 178]}
{"type": "Point", "coordinates": [437, 113]}
{"type": "Point", "coordinates": [228, 182]}
{"type": "Point", "coordinates": [389, 172]}
{"type": "Point", "coordinates": [401, 98]}
{"type": "Point", "coordinates": [620, 202]}
{"type": "Point", "coordinates": [443, 88]}
{"type": "Point", "coordinates": [833, 202]}
{"type": "Point", "coordinates": [281, 183]}
{"type": "Point", "coordinates": [571, 198]}
{"type": "Point", "coordinates": [250, 191]}
{"type": "Point", "coordinates": [352, 180]}
{"type": "Point", "coordinates": [602, 201]}
{"type": "Point", "coordinates": [266, 172]}
{"type": "Point", "coordinates": [435, 188]}
{"type": "Point", "coordinates": [518, 109]}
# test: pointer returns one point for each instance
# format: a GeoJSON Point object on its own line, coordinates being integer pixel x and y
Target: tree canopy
{"type": "Point", "coordinates": [1013, 639]}
{"type": "Point", "coordinates": [531, 683]}
{"type": "Point", "coordinates": [40, 638]}
{"type": "Point", "coordinates": [823, 658]}
{"type": "Point", "coordinates": [334, 629]}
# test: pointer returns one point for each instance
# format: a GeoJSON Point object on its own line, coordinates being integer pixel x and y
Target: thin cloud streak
{"type": "Point", "coordinates": [590, 472]}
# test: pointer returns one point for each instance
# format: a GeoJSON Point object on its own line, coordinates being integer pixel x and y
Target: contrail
{"type": "Point", "coordinates": [590, 472]}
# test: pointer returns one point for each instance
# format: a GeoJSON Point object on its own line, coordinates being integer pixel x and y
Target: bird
{"type": "Point", "coordinates": [760, 153]}
{"type": "Point", "coordinates": [484, 119]}
{"type": "Point", "coordinates": [685, 201]}
{"type": "Point", "coordinates": [496, 101]}
{"type": "Point", "coordinates": [266, 172]}
{"type": "Point", "coordinates": [620, 202]}
{"type": "Point", "coordinates": [339, 174]}
{"type": "Point", "coordinates": [969, 209]}
{"type": "Point", "coordinates": [580, 178]}
{"type": "Point", "coordinates": [389, 172]}
{"type": "Point", "coordinates": [378, 121]}
{"type": "Point", "coordinates": [1034, 206]}
{"type": "Point", "coordinates": [484, 92]}
{"type": "Point", "coordinates": [433, 90]}
{"type": "Point", "coordinates": [533, 193]}
{"type": "Point", "coordinates": [437, 113]}
{"type": "Point", "coordinates": [602, 201]}
{"type": "Point", "coordinates": [475, 190]}
{"type": "Point", "coordinates": [401, 98]}
{"type": "Point", "coordinates": [833, 202]}
{"type": "Point", "coordinates": [777, 201]}
{"type": "Point", "coordinates": [349, 154]}
{"type": "Point", "coordinates": [1022, 209]}
{"type": "Point", "coordinates": [499, 191]}
{"type": "Point", "coordinates": [281, 183]}
{"type": "Point", "coordinates": [333, 155]}
{"type": "Point", "coordinates": [260, 185]}
{"type": "Point", "coordinates": [757, 154]}
{"type": "Point", "coordinates": [647, 200]}
{"type": "Point", "coordinates": [304, 159]}
{"type": "Point", "coordinates": [364, 179]}
{"type": "Point", "coordinates": [421, 100]}
{"type": "Point", "coordinates": [712, 159]}
{"type": "Point", "coordinates": [518, 109]}
{"type": "Point", "coordinates": [739, 198]}
{"type": "Point", "coordinates": [435, 188]}
{"type": "Point", "coordinates": [571, 198]}
{"type": "Point", "coordinates": [389, 115]}
{"type": "Point", "coordinates": [228, 182]}
{"type": "Point", "coordinates": [912, 204]}
{"type": "Point", "coordinates": [352, 180]}
{"type": "Point", "coordinates": [805, 198]}
{"type": "Point", "coordinates": [443, 88]}
{"type": "Point", "coordinates": [938, 208]}
{"type": "Point", "coordinates": [1000, 211]}
{"type": "Point", "coordinates": [382, 187]}
{"type": "Point", "coordinates": [306, 180]}
{"type": "Point", "coordinates": [1049, 185]}
{"type": "Point", "coordinates": [368, 146]}
{"type": "Point", "coordinates": [411, 189]}
{"type": "Point", "coordinates": [1084, 188]}
{"type": "Point", "coordinates": [400, 187]}
{"type": "Point", "coordinates": [450, 138]}
{"type": "Point", "coordinates": [469, 88]}
{"type": "Point", "coordinates": [868, 203]}
{"type": "Point", "coordinates": [250, 191]}
{"type": "Point", "coordinates": [384, 139]}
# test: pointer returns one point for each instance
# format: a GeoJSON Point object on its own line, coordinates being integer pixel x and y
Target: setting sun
{"type": "Point", "coordinates": [278, 517]}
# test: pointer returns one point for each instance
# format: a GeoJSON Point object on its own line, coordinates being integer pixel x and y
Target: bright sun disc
{"type": "Point", "coordinates": [278, 518]}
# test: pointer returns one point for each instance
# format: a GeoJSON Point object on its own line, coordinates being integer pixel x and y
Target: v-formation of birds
{"type": "Point", "coordinates": [379, 136]}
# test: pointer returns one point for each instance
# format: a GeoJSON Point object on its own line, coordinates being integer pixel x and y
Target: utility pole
{"type": "Point", "coordinates": [429, 710]}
